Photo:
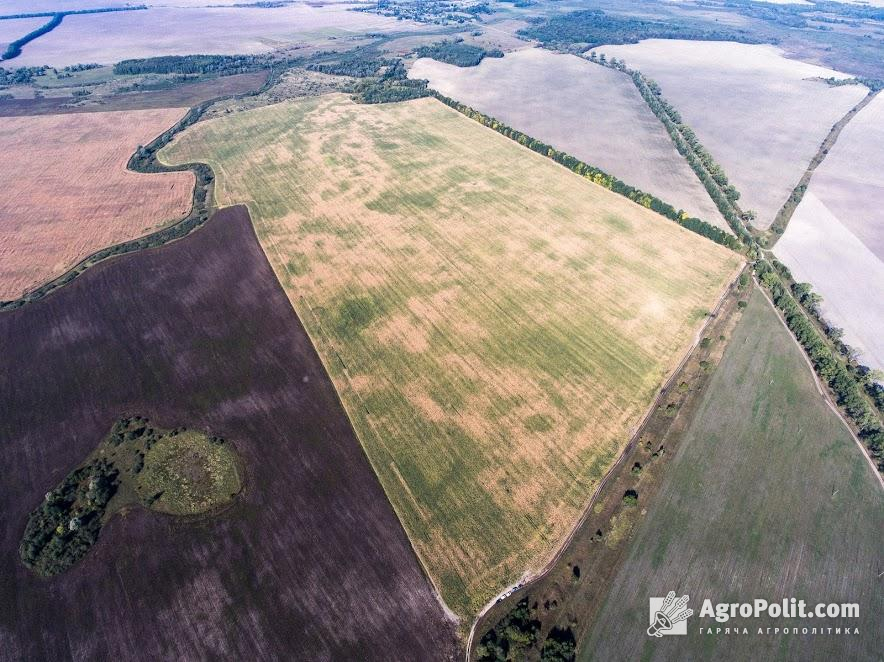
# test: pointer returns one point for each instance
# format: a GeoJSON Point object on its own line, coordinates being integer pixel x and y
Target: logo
{"type": "Point", "coordinates": [669, 616]}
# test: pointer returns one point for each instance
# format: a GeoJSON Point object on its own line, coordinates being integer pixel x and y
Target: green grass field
{"type": "Point", "coordinates": [768, 497]}
{"type": "Point", "coordinates": [494, 324]}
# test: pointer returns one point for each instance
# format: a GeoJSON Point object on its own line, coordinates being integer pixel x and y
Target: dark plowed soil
{"type": "Point", "coordinates": [179, 96]}
{"type": "Point", "coordinates": [309, 563]}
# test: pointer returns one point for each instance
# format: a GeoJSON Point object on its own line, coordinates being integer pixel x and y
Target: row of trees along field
{"type": "Point", "coordinates": [597, 176]}
{"type": "Point", "coordinates": [711, 174]}
{"type": "Point", "coordinates": [13, 50]}
{"type": "Point", "coordinates": [847, 378]}
{"type": "Point", "coordinates": [222, 65]}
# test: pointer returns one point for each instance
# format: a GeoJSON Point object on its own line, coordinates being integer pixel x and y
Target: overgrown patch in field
{"type": "Point", "coordinates": [768, 497]}
{"type": "Point", "coordinates": [308, 562]}
{"type": "Point", "coordinates": [495, 325]}
{"type": "Point", "coordinates": [181, 472]}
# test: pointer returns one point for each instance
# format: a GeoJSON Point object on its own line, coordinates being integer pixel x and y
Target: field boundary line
{"type": "Point", "coordinates": [636, 432]}
{"type": "Point", "coordinates": [449, 613]}
{"type": "Point", "coordinates": [823, 391]}
{"type": "Point", "coordinates": [778, 226]}
{"type": "Point", "coordinates": [201, 209]}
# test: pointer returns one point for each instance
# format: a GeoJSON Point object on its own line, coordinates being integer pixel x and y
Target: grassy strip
{"type": "Point", "coordinates": [847, 380]}
{"type": "Point", "coordinates": [597, 175]}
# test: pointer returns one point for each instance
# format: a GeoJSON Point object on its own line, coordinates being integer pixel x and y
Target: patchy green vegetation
{"type": "Point", "coordinates": [457, 53]}
{"type": "Point", "coordinates": [188, 474]}
{"type": "Point", "coordinates": [400, 219]}
{"type": "Point", "coordinates": [768, 497]}
{"type": "Point", "coordinates": [566, 597]}
{"type": "Point", "coordinates": [176, 471]}
{"type": "Point", "coordinates": [599, 177]}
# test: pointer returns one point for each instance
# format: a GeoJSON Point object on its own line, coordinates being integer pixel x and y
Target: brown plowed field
{"type": "Point", "coordinates": [309, 563]}
{"type": "Point", "coordinates": [66, 192]}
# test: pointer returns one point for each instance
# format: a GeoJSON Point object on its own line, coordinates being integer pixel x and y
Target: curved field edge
{"type": "Point", "coordinates": [775, 504]}
{"type": "Point", "coordinates": [144, 161]}
{"type": "Point", "coordinates": [201, 330]}
{"type": "Point", "coordinates": [69, 193]}
{"type": "Point", "coordinates": [430, 352]}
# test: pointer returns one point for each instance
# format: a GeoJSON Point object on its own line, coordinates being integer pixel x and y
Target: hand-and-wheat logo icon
{"type": "Point", "coordinates": [669, 616]}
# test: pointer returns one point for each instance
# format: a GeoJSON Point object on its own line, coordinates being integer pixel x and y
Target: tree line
{"type": "Point", "coordinates": [846, 381]}
{"type": "Point", "coordinates": [711, 174]}
{"type": "Point", "coordinates": [849, 380]}
{"type": "Point", "coordinates": [13, 50]}
{"type": "Point", "coordinates": [597, 176]}
{"type": "Point", "coordinates": [222, 65]}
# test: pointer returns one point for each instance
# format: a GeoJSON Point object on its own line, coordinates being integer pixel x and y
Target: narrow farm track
{"type": "Point", "coordinates": [529, 580]}
{"type": "Point", "coordinates": [823, 391]}
{"type": "Point", "coordinates": [778, 227]}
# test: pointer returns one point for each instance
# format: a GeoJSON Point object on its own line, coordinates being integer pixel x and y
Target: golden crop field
{"type": "Point", "coordinates": [68, 193]}
{"type": "Point", "coordinates": [495, 325]}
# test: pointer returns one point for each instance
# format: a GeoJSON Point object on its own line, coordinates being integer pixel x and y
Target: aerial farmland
{"type": "Point", "coordinates": [589, 111]}
{"type": "Point", "coordinates": [522, 390]}
{"type": "Point", "coordinates": [180, 30]}
{"type": "Point", "coordinates": [199, 335]}
{"type": "Point", "coordinates": [441, 330]}
{"type": "Point", "coordinates": [68, 192]}
{"type": "Point", "coordinates": [835, 238]}
{"type": "Point", "coordinates": [754, 504]}
{"type": "Point", "coordinates": [761, 116]}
